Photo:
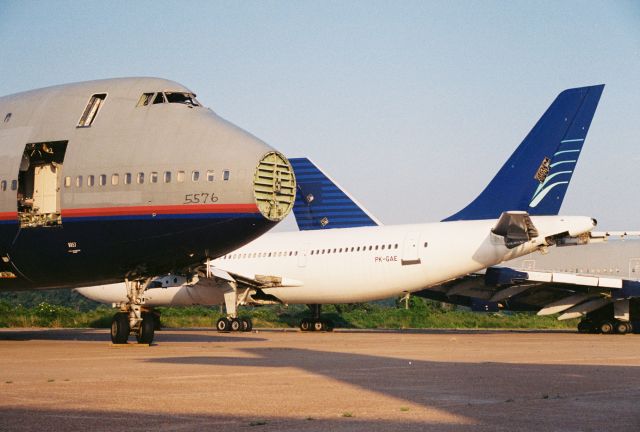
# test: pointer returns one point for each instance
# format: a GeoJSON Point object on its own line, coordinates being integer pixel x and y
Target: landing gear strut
{"type": "Point", "coordinates": [316, 323]}
{"type": "Point", "coordinates": [231, 323]}
{"type": "Point", "coordinates": [133, 318]}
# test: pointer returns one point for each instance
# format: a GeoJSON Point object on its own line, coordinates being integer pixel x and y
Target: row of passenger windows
{"type": "Point", "coordinates": [314, 251]}
{"type": "Point", "coordinates": [153, 177]}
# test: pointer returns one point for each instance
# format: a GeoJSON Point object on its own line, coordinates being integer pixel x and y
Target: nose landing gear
{"type": "Point", "coordinates": [132, 318]}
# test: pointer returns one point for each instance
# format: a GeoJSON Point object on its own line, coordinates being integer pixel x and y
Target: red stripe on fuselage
{"type": "Point", "coordinates": [8, 215]}
{"type": "Point", "coordinates": [170, 209]}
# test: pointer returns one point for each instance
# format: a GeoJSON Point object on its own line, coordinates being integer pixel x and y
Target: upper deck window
{"type": "Point", "coordinates": [91, 110]}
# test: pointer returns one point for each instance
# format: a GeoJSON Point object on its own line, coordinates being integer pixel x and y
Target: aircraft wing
{"type": "Point", "coordinates": [570, 294]}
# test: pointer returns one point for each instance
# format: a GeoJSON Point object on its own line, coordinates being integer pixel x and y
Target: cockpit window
{"type": "Point", "coordinates": [145, 99]}
{"type": "Point", "coordinates": [168, 97]}
{"type": "Point", "coordinates": [159, 99]}
{"type": "Point", "coordinates": [183, 98]}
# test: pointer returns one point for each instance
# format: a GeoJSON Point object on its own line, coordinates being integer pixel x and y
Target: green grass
{"type": "Point", "coordinates": [422, 314]}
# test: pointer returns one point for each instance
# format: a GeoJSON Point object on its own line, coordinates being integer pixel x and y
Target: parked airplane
{"type": "Point", "coordinates": [122, 179]}
{"type": "Point", "coordinates": [598, 282]}
{"type": "Point", "coordinates": [356, 263]}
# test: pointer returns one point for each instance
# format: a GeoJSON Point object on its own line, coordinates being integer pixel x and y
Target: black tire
{"type": "Point", "coordinates": [223, 325]}
{"type": "Point", "coordinates": [606, 327]}
{"type": "Point", "coordinates": [247, 325]}
{"type": "Point", "coordinates": [319, 326]}
{"type": "Point", "coordinates": [584, 327]}
{"type": "Point", "coordinates": [146, 331]}
{"type": "Point", "coordinates": [157, 324]}
{"type": "Point", "coordinates": [622, 327]}
{"type": "Point", "coordinates": [328, 325]}
{"type": "Point", "coordinates": [305, 325]}
{"type": "Point", "coordinates": [120, 328]}
{"type": "Point", "coordinates": [235, 325]}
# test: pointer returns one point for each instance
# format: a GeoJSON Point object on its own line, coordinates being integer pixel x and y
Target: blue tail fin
{"type": "Point", "coordinates": [321, 204]}
{"type": "Point", "coordinates": [537, 175]}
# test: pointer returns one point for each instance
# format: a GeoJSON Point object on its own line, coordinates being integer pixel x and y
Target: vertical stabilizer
{"type": "Point", "coordinates": [536, 176]}
{"type": "Point", "coordinates": [322, 204]}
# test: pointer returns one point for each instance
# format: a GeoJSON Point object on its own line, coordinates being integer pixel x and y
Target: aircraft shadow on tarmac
{"type": "Point", "coordinates": [544, 396]}
{"type": "Point", "coordinates": [101, 335]}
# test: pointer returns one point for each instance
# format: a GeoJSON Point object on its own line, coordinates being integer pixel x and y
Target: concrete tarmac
{"type": "Point", "coordinates": [269, 380]}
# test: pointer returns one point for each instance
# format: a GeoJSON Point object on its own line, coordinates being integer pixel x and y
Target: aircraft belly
{"type": "Point", "coordinates": [102, 251]}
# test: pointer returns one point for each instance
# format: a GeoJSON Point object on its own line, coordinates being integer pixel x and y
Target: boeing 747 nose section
{"type": "Point", "coordinates": [127, 178]}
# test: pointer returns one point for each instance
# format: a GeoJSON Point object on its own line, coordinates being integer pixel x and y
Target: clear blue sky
{"type": "Point", "coordinates": [412, 106]}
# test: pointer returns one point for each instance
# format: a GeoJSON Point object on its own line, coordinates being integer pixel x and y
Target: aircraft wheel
{"type": "Point", "coordinates": [223, 325]}
{"type": "Point", "coordinates": [319, 326]}
{"type": "Point", "coordinates": [120, 328]}
{"type": "Point", "coordinates": [236, 325]}
{"type": "Point", "coordinates": [328, 325]}
{"type": "Point", "coordinates": [145, 333]}
{"type": "Point", "coordinates": [622, 327]}
{"type": "Point", "coordinates": [247, 325]}
{"type": "Point", "coordinates": [584, 327]}
{"type": "Point", "coordinates": [305, 325]}
{"type": "Point", "coordinates": [606, 327]}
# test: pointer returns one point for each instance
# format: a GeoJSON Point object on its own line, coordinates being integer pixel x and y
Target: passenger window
{"type": "Point", "coordinates": [3, 185]}
{"type": "Point", "coordinates": [140, 178]}
{"type": "Point", "coordinates": [145, 99]}
{"type": "Point", "coordinates": [79, 181]}
{"type": "Point", "coordinates": [382, 247]}
{"type": "Point", "coordinates": [209, 175]}
{"type": "Point", "coordinates": [225, 175]}
{"type": "Point", "coordinates": [91, 180]}
{"type": "Point", "coordinates": [67, 182]}
{"type": "Point", "coordinates": [195, 176]}
{"type": "Point", "coordinates": [153, 177]}
{"type": "Point", "coordinates": [180, 177]}
{"type": "Point", "coordinates": [115, 179]}
{"type": "Point", "coordinates": [159, 99]}
{"type": "Point", "coordinates": [7, 118]}
{"type": "Point", "coordinates": [103, 179]}
{"type": "Point", "coordinates": [91, 110]}
{"type": "Point", "coordinates": [127, 178]}
{"type": "Point", "coordinates": [14, 184]}
{"type": "Point", "coordinates": [167, 176]}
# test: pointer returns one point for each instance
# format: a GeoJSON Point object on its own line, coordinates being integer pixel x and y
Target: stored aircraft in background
{"type": "Point", "coordinates": [598, 282]}
{"type": "Point", "coordinates": [342, 261]}
{"type": "Point", "coordinates": [123, 179]}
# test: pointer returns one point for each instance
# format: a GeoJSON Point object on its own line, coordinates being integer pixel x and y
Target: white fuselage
{"type": "Point", "coordinates": [360, 264]}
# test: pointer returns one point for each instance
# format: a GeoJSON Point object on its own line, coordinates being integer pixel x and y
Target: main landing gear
{"type": "Point", "coordinates": [133, 318]}
{"type": "Point", "coordinates": [606, 326]}
{"type": "Point", "coordinates": [614, 318]}
{"type": "Point", "coordinates": [225, 325]}
{"type": "Point", "coordinates": [316, 323]}
{"type": "Point", "coordinates": [231, 323]}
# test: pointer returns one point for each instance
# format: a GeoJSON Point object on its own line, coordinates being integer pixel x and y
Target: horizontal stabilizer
{"type": "Point", "coordinates": [321, 204]}
{"type": "Point", "coordinates": [516, 228]}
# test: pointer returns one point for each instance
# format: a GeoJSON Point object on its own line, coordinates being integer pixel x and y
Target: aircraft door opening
{"type": "Point", "coordinates": [39, 184]}
{"type": "Point", "coordinates": [410, 253]}
{"type": "Point", "coordinates": [302, 258]}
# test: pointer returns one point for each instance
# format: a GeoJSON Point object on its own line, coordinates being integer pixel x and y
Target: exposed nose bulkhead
{"type": "Point", "coordinates": [274, 186]}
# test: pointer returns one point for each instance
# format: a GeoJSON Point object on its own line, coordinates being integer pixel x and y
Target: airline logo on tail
{"type": "Point", "coordinates": [558, 170]}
